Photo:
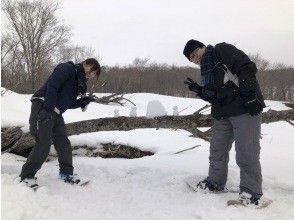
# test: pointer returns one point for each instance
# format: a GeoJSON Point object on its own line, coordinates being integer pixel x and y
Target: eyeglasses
{"type": "Point", "coordinates": [194, 54]}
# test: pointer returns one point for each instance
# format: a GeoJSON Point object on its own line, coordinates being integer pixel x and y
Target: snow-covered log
{"type": "Point", "coordinates": [16, 141]}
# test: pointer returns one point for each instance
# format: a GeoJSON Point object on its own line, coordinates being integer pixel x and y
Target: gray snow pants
{"type": "Point", "coordinates": [44, 133]}
{"type": "Point", "coordinates": [245, 131]}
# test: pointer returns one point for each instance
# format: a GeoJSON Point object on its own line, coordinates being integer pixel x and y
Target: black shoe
{"type": "Point", "coordinates": [30, 182]}
{"type": "Point", "coordinates": [72, 179]}
{"type": "Point", "coordinates": [248, 199]}
{"type": "Point", "coordinates": [208, 185]}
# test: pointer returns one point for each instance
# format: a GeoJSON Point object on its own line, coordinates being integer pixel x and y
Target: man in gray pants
{"type": "Point", "coordinates": [58, 94]}
{"type": "Point", "coordinates": [230, 85]}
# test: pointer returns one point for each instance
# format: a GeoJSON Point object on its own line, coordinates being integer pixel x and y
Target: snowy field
{"type": "Point", "coordinates": [146, 188]}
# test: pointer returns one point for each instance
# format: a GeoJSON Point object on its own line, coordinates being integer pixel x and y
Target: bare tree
{"type": "Point", "coordinates": [261, 63]}
{"type": "Point", "coordinates": [11, 61]}
{"type": "Point", "coordinates": [140, 62]}
{"type": "Point", "coordinates": [279, 66]}
{"type": "Point", "coordinates": [82, 52]}
{"type": "Point", "coordinates": [7, 45]}
{"type": "Point", "coordinates": [37, 29]}
{"type": "Point", "coordinates": [77, 53]}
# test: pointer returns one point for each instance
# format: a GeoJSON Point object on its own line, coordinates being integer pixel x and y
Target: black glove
{"type": "Point", "coordinates": [253, 105]}
{"type": "Point", "coordinates": [82, 87]}
{"type": "Point", "coordinates": [207, 95]}
{"type": "Point", "coordinates": [193, 86]}
{"type": "Point", "coordinates": [85, 101]}
{"type": "Point", "coordinates": [44, 116]}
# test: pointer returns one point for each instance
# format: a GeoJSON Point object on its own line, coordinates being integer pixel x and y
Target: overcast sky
{"type": "Point", "coordinates": [121, 30]}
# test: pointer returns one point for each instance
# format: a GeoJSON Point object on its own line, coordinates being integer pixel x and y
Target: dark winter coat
{"type": "Point", "coordinates": [62, 87]}
{"type": "Point", "coordinates": [227, 99]}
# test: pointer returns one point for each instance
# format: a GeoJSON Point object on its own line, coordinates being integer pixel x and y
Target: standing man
{"type": "Point", "coordinates": [58, 94]}
{"type": "Point", "coordinates": [230, 85]}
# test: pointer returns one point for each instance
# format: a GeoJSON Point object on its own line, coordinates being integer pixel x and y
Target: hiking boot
{"type": "Point", "coordinates": [209, 185]}
{"type": "Point", "coordinates": [30, 182]}
{"type": "Point", "coordinates": [248, 199]}
{"type": "Point", "coordinates": [72, 179]}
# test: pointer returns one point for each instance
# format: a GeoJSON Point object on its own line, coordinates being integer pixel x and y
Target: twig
{"type": "Point", "coordinates": [114, 98]}
{"type": "Point", "coordinates": [199, 110]}
{"type": "Point", "coordinates": [129, 101]}
{"type": "Point", "coordinates": [191, 148]}
{"type": "Point", "coordinates": [183, 109]}
{"type": "Point", "coordinates": [3, 91]}
{"type": "Point", "coordinates": [291, 123]}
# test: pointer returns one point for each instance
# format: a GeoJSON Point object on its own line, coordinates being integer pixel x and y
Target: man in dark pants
{"type": "Point", "coordinates": [58, 94]}
{"type": "Point", "coordinates": [230, 85]}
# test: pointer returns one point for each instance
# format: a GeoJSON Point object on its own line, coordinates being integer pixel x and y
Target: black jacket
{"type": "Point", "coordinates": [62, 87]}
{"type": "Point", "coordinates": [228, 99]}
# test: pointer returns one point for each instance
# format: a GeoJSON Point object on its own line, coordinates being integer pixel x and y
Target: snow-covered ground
{"type": "Point", "coordinates": [146, 188]}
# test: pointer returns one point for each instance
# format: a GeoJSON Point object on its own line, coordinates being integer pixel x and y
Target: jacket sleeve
{"type": "Point", "coordinates": [60, 74]}
{"type": "Point", "coordinates": [76, 104]}
{"type": "Point", "coordinates": [238, 63]}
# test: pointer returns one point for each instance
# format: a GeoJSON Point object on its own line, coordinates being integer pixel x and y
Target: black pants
{"type": "Point", "coordinates": [46, 133]}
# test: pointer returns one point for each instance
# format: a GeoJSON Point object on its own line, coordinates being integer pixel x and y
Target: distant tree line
{"type": "Point", "coordinates": [276, 83]}
{"type": "Point", "coordinates": [36, 40]}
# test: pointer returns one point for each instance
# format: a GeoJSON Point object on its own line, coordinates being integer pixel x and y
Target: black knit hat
{"type": "Point", "coordinates": [191, 45]}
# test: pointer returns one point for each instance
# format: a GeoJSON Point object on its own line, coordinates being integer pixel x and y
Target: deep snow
{"type": "Point", "coordinates": [146, 188]}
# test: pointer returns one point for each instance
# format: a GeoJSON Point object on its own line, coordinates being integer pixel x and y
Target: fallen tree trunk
{"type": "Point", "coordinates": [9, 137]}
{"type": "Point", "coordinates": [188, 122]}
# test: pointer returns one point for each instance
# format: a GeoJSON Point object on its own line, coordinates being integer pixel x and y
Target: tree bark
{"type": "Point", "coordinates": [9, 137]}
{"type": "Point", "coordinates": [17, 142]}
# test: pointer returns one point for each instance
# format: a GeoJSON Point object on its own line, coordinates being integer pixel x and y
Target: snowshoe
{"type": "Point", "coordinates": [248, 200]}
{"type": "Point", "coordinates": [31, 182]}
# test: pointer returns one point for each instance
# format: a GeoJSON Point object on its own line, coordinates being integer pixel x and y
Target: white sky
{"type": "Point", "coordinates": [120, 31]}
